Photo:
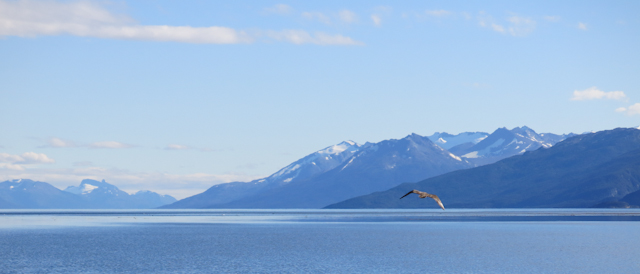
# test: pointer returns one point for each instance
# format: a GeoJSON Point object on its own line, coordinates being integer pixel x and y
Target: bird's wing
{"type": "Point", "coordinates": [413, 191]}
{"type": "Point", "coordinates": [435, 197]}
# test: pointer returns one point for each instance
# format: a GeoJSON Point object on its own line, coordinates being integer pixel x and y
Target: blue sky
{"type": "Point", "coordinates": [175, 96]}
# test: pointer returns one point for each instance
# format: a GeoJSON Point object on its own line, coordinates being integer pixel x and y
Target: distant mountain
{"type": "Point", "coordinates": [98, 194]}
{"type": "Point", "coordinates": [313, 164]}
{"type": "Point", "coordinates": [367, 168]}
{"type": "Point", "coordinates": [581, 171]}
{"type": "Point", "coordinates": [447, 141]}
{"type": "Point", "coordinates": [24, 193]}
{"type": "Point", "coordinates": [91, 194]}
{"type": "Point", "coordinates": [504, 143]}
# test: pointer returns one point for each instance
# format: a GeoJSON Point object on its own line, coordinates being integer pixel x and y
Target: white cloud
{"type": "Point", "coordinates": [378, 13]}
{"type": "Point", "coordinates": [515, 25]}
{"type": "Point", "coordinates": [521, 26]}
{"type": "Point", "coordinates": [593, 93]}
{"type": "Point", "coordinates": [57, 142]}
{"type": "Point", "coordinates": [486, 21]}
{"type": "Point", "coordinates": [347, 16]}
{"type": "Point", "coordinates": [344, 16]}
{"type": "Point", "coordinates": [303, 37]}
{"type": "Point", "coordinates": [582, 26]}
{"type": "Point", "coordinates": [27, 18]}
{"type": "Point", "coordinates": [634, 109]}
{"type": "Point", "coordinates": [279, 9]}
{"type": "Point", "coordinates": [437, 13]}
{"type": "Point", "coordinates": [83, 18]}
{"type": "Point", "coordinates": [376, 20]}
{"type": "Point", "coordinates": [631, 110]}
{"type": "Point", "coordinates": [176, 147]}
{"type": "Point", "coordinates": [35, 158]}
{"type": "Point", "coordinates": [497, 27]}
{"type": "Point", "coordinates": [109, 144]}
{"type": "Point", "coordinates": [20, 162]}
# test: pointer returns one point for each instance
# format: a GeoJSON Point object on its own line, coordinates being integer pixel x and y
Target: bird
{"type": "Point", "coordinates": [425, 195]}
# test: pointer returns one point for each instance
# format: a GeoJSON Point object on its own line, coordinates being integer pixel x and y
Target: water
{"type": "Point", "coordinates": [320, 241]}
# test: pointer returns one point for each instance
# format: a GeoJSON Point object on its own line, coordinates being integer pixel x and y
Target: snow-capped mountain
{"type": "Point", "coordinates": [25, 193]}
{"type": "Point", "coordinates": [347, 170]}
{"type": "Point", "coordinates": [311, 165]}
{"type": "Point", "coordinates": [90, 194]}
{"type": "Point", "coordinates": [93, 188]}
{"type": "Point", "coordinates": [376, 167]}
{"type": "Point", "coordinates": [447, 141]}
{"type": "Point", "coordinates": [599, 169]}
{"type": "Point", "coordinates": [504, 143]}
{"type": "Point", "coordinates": [315, 163]}
{"type": "Point", "coordinates": [100, 194]}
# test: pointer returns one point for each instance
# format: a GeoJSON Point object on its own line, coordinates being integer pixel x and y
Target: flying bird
{"type": "Point", "coordinates": [425, 195]}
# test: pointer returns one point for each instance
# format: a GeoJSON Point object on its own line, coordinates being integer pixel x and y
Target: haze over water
{"type": "Point", "coordinates": [315, 241]}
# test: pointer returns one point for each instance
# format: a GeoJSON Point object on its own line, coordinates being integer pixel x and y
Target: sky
{"type": "Point", "coordinates": [177, 96]}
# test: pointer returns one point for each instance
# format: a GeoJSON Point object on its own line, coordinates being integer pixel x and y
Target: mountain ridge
{"type": "Point", "coordinates": [90, 194]}
{"type": "Point", "coordinates": [270, 192]}
{"type": "Point", "coordinates": [577, 172]}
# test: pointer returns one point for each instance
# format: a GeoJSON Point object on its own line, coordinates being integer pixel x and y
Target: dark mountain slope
{"type": "Point", "coordinates": [578, 172]}
{"type": "Point", "coordinates": [376, 167]}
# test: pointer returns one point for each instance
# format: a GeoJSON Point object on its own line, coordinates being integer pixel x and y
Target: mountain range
{"type": "Point", "coordinates": [481, 148]}
{"type": "Point", "coordinates": [590, 170]}
{"type": "Point", "coordinates": [90, 194]}
{"type": "Point", "coordinates": [347, 170]}
{"type": "Point", "coordinates": [325, 177]}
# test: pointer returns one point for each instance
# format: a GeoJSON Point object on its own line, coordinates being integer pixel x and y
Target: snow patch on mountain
{"type": "Point", "coordinates": [318, 162]}
{"type": "Point", "coordinates": [88, 188]}
{"type": "Point", "coordinates": [454, 157]}
{"type": "Point", "coordinates": [447, 141]}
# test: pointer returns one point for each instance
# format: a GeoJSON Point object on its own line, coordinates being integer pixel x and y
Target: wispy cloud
{"type": "Point", "coordinates": [520, 26]}
{"type": "Point", "coordinates": [317, 16]}
{"type": "Point", "coordinates": [176, 147]}
{"type": "Point", "coordinates": [279, 9]}
{"type": "Point", "coordinates": [28, 18]}
{"type": "Point", "coordinates": [593, 93]}
{"type": "Point", "coordinates": [379, 13]}
{"type": "Point", "coordinates": [376, 20]}
{"type": "Point", "coordinates": [19, 162]}
{"type": "Point", "coordinates": [487, 21]}
{"type": "Point", "coordinates": [110, 144]}
{"type": "Point", "coordinates": [57, 142]}
{"type": "Point", "coordinates": [347, 16]}
{"type": "Point", "coordinates": [514, 25]}
{"type": "Point", "coordinates": [318, 38]}
{"type": "Point", "coordinates": [61, 143]}
{"type": "Point", "coordinates": [343, 16]}
{"type": "Point", "coordinates": [582, 26]}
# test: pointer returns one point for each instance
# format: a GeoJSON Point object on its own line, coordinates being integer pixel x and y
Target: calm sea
{"type": "Point", "coordinates": [320, 241]}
